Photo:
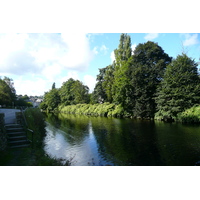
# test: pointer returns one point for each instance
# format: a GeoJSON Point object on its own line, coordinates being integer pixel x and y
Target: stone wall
{"type": "Point", "coordinates": [3, 139]}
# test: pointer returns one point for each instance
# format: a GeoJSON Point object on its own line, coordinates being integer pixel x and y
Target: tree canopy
{"type": "Point", "coordinates": [7, 92]}
{"type": "Point", "coordinates": [179, 89]}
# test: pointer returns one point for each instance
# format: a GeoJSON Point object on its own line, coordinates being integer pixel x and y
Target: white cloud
{"type": "Point", "coordinates": [151, 36]}
{"type": "Point", "coordinates": [95, 50]}
{"type": "Point", "coordinates": [31, 87]}
{"type": "Point", "coordinates": [112, 56]}
{"type": "Point", "coordinates": [45, 57]}
{"type": "Point", "coordinates": [104, 49]}
{"type": "Point", "coordinates": [90, 81]}
{"type": "Point", "coordinates": [190, 39]}
{"type": "Point", "coordinates": [36, 53]}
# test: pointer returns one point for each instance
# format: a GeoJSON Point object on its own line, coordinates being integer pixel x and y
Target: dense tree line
{"type": "Point", "coordinates": [71, 92]}
{"type": "Point", "coordinates": [146, 82]}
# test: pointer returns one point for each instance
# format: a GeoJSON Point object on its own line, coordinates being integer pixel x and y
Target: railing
{"type": "Point", "coordinates": [26, 126]}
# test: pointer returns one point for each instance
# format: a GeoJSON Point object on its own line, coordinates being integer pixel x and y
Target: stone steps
{"type": "Point", "coordinates": [16, 136]}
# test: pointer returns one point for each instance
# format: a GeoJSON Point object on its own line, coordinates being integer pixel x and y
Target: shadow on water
{"type": "Point", "coordinates": [125, 142]}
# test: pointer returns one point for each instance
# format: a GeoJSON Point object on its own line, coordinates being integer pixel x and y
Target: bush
{"type": "Point", "coordinates": [105, 109]}
{"type": "Point", "coordinates": [191, 115]}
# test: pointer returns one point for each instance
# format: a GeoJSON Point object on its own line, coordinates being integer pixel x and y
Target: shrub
{"type": "Point", "coordinates": [191, 115]}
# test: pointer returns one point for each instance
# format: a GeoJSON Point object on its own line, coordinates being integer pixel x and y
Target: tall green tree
{"type": "Point", "coordinates": [180, 88]}
{"type": "Point", "coordinates": [122, 88]}
{"type": "Point", "coordinates": [107, 84]}
{"type": "Point", "coordinates": [148, 66]}
{"type": "Point", "coordinates": [53, 86]}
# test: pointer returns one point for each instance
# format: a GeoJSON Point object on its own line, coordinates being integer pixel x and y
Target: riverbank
{"type": "Point", "coordinates": [191, 115]}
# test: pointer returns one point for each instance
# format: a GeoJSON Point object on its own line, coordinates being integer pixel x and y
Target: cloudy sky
{"type": "Point", "coordinates": [34, 61]}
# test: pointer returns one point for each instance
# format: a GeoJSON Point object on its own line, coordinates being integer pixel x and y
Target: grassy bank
{"type": "Point", "coordinates": [191, 115]}
{"type": "Point", "coordinates": [105, 109]}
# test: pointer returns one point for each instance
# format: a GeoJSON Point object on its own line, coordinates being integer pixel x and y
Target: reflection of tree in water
{"type": "Point", "coordinates": [179, 145]}
{"type": "Point", "coordinates": [132, 142]}
{"type": "Point", "coordinates": [52, 119]}
{"type": "Point", "coordinates": [76, 127]}
{"type": "Point", "coordinates": [126, 141]}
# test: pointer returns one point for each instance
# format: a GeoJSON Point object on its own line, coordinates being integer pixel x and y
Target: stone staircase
{"type": "Point", "coordinates": [16, 136]}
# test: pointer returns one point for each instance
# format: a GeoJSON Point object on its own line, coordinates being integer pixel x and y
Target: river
{"type": "Point", "coordinates": [101, 141]}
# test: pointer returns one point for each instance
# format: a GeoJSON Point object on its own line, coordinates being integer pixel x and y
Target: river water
{"type": "Point", "coordinates": [101, 141]}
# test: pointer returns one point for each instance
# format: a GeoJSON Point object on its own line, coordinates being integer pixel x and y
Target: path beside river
{"type": "Point", "coordinates": [10, 117]}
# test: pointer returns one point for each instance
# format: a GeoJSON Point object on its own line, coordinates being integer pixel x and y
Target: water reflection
{"type": "Point", "coordinates": [110, 141]}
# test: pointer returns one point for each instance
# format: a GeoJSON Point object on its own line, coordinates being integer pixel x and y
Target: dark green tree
{"type": "Point", "coordinates": [180, 88]}
{"type": "Point", "coordinates": [53, 86]}
{"type": "Point", "coordinates": [5, 94]}
{"type": "Point", "coordinates": [107, 84]}
{"type": "Point", "coordinates": [148, 66]}
{"type": "Point", "coordinates": [10, 83]}
{"type": "Point", "coordinates": [99, 93]}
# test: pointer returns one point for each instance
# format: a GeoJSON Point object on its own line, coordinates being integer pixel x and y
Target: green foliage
{"type": "Point", "coordinates": [53, 86]}
{"type": "Point", "coordinates": [35, 121]}
{"type": "Point", "coordinates": [149, 63]}
{"type": "Point", "coordinates": [191, 115]}
{"type": "Point", "coordinates": [21, 102]}
{"type": "Point", "coordinates": [180, 88]}
{"type": "Point", "coordinates": [145, 84]}
{"type": "Point", "coordinates": [7, 92]}
{"type": "Point", "coordinates": [105, 109]}
{"type": "Point", "coordinates": [73, 92]}
{"type": "Point", "coordinates": [122, 89]}
{"type": "Point", "coordinates": [51, 100]}
{"type": "Point", "coordinates": [107, 84]}
{"type": "Point", "coordinates": [99, 94]}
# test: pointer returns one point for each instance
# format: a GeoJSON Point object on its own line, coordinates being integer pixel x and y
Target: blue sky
{"type": "Point", "coordinates": [35, 61]}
